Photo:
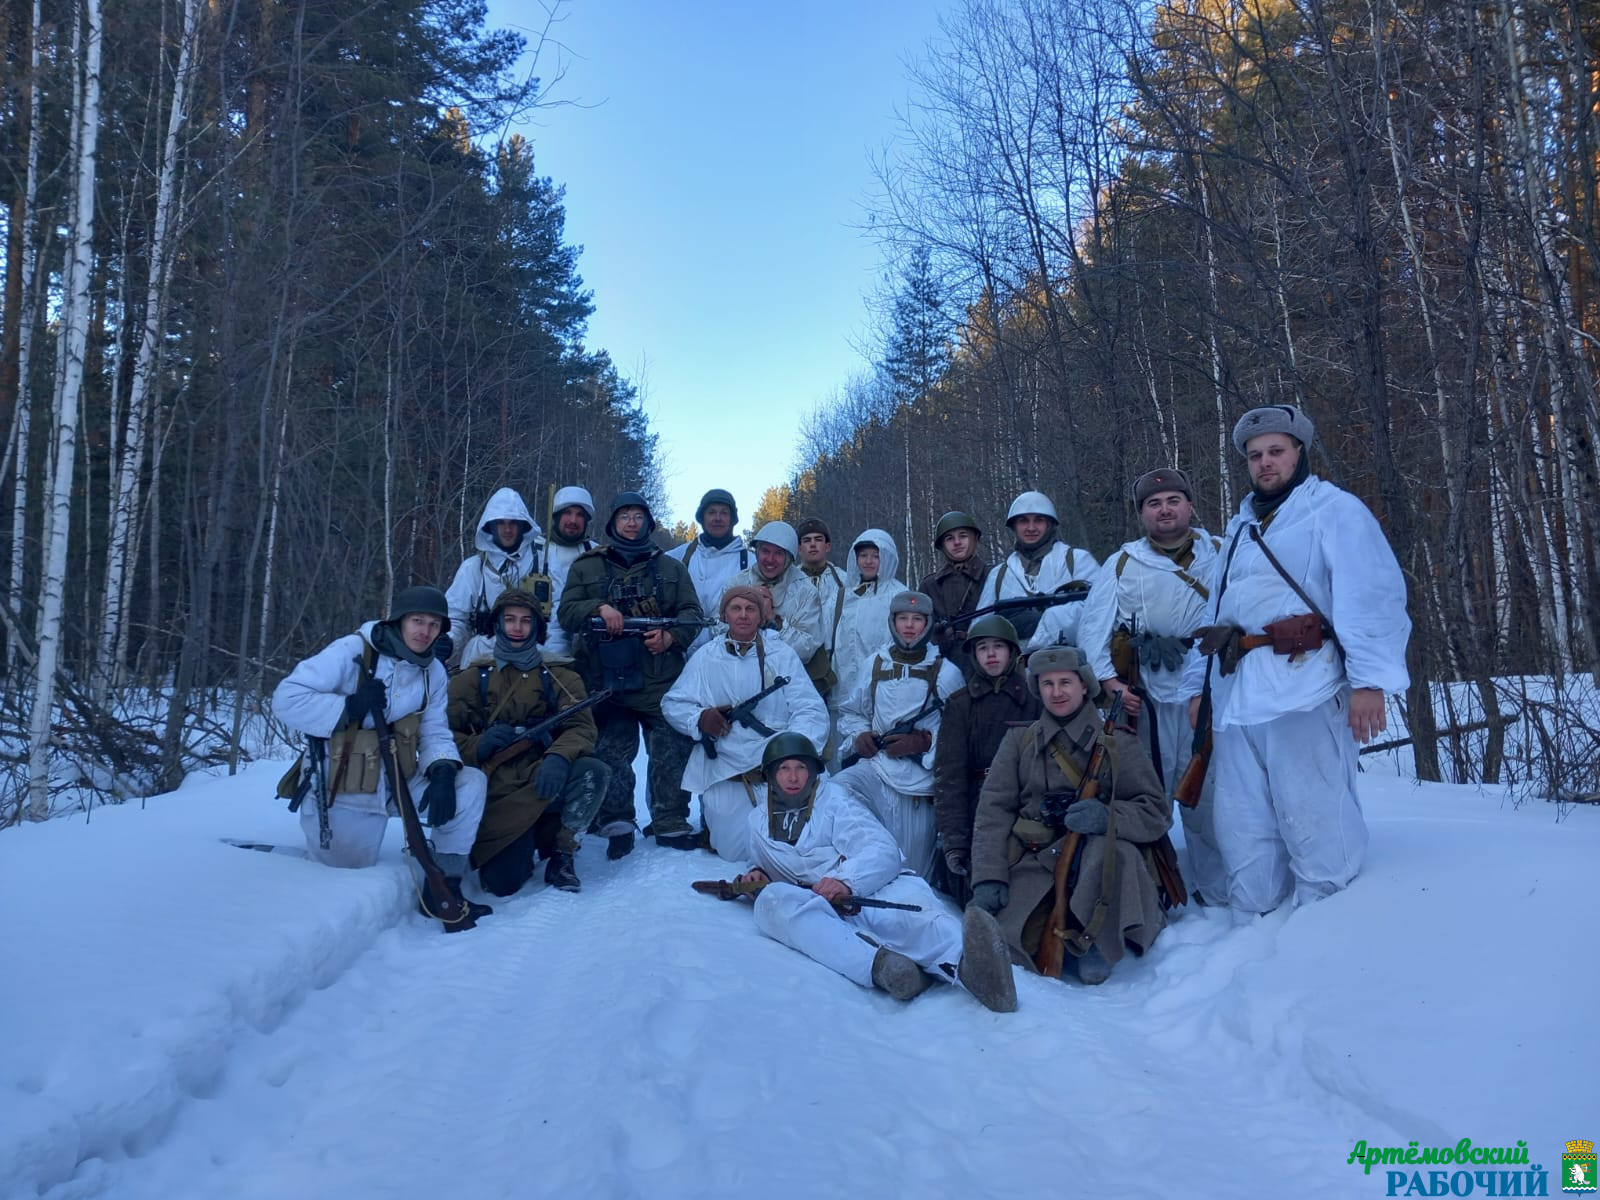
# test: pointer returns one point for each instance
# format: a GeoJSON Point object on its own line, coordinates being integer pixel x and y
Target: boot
{"type": "Point", "coordinates": [685, 839]}
{"type": "Point", "coordinates": [898, 975]}
{"type": "Point", "coordinates": [559, 872]}
{"type": "Point", "coordinates": [985, 968]}
{"type": "Point", "coordinates": [1093, 967]}
{"type": "Point", "coordinates": [619, 845]}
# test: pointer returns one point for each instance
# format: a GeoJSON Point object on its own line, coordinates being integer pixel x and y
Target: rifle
{"type": "Point", "coordinates": [1070, 592]}
{"type": "Point", "coordinates": [1051, 955]}
{"type": "Point", "coordinates": [932, 704]}
{"type": "Point", "coordinates": [639, 626]}
{"type": "Point", "coordinates": [1187, 793]}
{"type": "Point", "coordinates": [724, 889]}
{"type": "Point", "coordinates": [744, 713]}
{"type": "Point", "coordinates": [540, 733]}
{"type": "Point", "coordinates": [440, 899]}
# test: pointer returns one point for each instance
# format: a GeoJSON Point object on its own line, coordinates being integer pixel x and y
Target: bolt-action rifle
{"type": "Point", "coordinates": [1187, 793]}
{"type": "Point", "coordinates": [726, 889]}
{"type": "Point", "coordinates": [744, 713]}
{"type": "Point", "coordinates": [439, 899]}
{"type": "Point", "coordinates": [1053, 941]}
{"type": "Point", "coordinates": [540, 734]}
{"type": "Point", "coordinates": [639, 626]}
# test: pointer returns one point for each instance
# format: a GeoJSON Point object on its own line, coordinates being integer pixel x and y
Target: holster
{"type": "Point", "coordinates": [1029, 837]}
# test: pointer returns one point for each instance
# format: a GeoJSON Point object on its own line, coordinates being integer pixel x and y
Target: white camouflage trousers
{"type": "Point", "coordinates": [725, 807]}
{"type": "Point", "coordinates": [358, 821]}
{"type": "Point", "coordinates": [804, 921]}
{"type": "Point", "coordinates": [910, 820]}
{"type": "Point", "coordinates": [1286, 815]}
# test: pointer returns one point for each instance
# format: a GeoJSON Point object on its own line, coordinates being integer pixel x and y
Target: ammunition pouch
{"type": "Point", "coordinates": [621, 662]}
{"type": "Point", "coordinates": [363, 765]}
{"type": "Point", "coordinates": [1296, 635]}
{"type": "Point", "coordinates": [1029, 837]}
{"type": "Point", "coordinates": [289, 785]}
{"type": "Point", "coordinates": [1124, 658]}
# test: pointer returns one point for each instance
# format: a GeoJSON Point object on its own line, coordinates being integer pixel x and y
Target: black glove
{"type": "Point", "coordinates": [991, 895]}
{"type": "Point", "coordinates": [1086, 816]}
{"type": "Point", "coordinates": [369, 698]}
{"type": "Point", "coordinates": [495, 739]}
{"type": "Point", "coordinates": [551, 776]}
{"type": "Point", "coordinates": [439, 797]}
{"type": "Point", "coordinates": [957, 862]}
{"type": "Point", "coordinates": [443, 647]}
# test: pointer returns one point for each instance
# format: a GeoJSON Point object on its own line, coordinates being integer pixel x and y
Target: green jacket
{"type": "Point", "coordinates": [660, 587]}
{"type": "Point", "coordinates": [475, 702]}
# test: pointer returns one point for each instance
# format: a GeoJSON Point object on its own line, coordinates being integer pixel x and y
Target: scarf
{"type": "Point", "coordinates": [717, 543]}
{"type": "Point", "coordinates": [630, 551]}
{"type": "Point", "coordinates": [386, 640]}
{"type": "Point", "coordinates": [519, 656]}
{"type": "Point", "coordinates": [1265, 503]}
{"type": "Point", "coordinates": [787, 815]}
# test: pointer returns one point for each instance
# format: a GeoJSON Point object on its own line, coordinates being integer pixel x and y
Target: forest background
{"type": "Point", "coordinates": [283, 301]}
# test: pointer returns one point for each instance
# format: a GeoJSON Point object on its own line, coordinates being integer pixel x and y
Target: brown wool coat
{"type": "Point", "coordinates": [1022, 772]}
{"type": "Point", "coordinates": [974, 722]}
{"type": "Point", "coordinates": [517, 697]}
{"type": "Point", "coordinates": [955, 589]}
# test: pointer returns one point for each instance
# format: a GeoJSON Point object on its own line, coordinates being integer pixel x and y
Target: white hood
{"type": "Point", "coordinates": [888, 558]}
{"type": "Point", "coordinates": [504, 505]}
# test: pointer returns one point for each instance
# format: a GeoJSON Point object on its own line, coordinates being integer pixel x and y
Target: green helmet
{"type": "Point", "coordinates": [420, 598]}
{"type": "Point", "coordinates": [992, 626]}
{"type": "Point", "coordinates": [952, 521]}
{"type": "Point", "coordinates": [789, 745]}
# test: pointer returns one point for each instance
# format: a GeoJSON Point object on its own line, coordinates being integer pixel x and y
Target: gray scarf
{"type": "Point", "coordinates": [520, 656]}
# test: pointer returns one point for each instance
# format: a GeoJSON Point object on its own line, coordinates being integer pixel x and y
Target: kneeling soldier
{"type": "Point", "coordinates": [388, 671]}
{"type": "Point", "coordinates": [543, 795]}
{"type": "Point", "coordinates": [814, 848]}
{"type": "Point", "coordinates": [1028, 808]}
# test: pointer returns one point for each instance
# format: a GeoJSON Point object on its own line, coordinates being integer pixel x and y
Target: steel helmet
{"type": "Point", "coordinates": [992, 625]}
{"type": "Point", "coordinates": [789, 745]}
{"type": "Point", "coordinates": [1036, 503]}
{"type": "Point", "coordinates": [421, 598]}
{"type": "Point", "coordinates": [953, 520]}
{"type": "Point", "coordinates": [780, 534]}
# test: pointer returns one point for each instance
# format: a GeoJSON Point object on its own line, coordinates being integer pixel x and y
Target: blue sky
{"type": "Point", "coordinates": [717, 186]}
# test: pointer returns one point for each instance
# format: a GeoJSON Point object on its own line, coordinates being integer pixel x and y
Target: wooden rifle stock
{"type": "Point", "coordinates": [1187, 793]}
{"type": "Point", "coordinates": [539, 732]}
{"type": "Point", "coordinates": [1051, 955]}
{"type": "Point", "coordinates": [441, 900]}
{"type": "Point", "coordinates": [732, 889]}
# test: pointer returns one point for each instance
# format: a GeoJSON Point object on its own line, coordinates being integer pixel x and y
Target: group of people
{"type": "Point", "coordinates": [853, 740]}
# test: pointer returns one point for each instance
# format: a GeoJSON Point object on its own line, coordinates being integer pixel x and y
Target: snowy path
{"type": "Point", "coordinates": [641, 1040]}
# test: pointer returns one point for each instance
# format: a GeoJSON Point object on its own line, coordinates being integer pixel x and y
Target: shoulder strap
{"type": "Point", "coordinates": [1064, 761]}
{"type": "Point", "coordinates": [547, 685]}
{"type": "Point", "coordinates": [744, 558]}
{"type": "Point", "coordinates": [483, 685]}
{"type": "Point", "coordinates": [689, 553]}
{"type": "Point", "coordinates": [1255, 536]}
{"type": "Point", "coordinates": [1072, 557]}
{"type": "Point", "coordinates": [1122, 561]}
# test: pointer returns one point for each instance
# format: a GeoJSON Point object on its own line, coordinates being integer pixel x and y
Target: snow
{"type": "Point", "coordinates": [183, 1018]}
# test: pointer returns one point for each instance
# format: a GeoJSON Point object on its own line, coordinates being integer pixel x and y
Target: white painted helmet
{"type": "Point", "coordinates": [568, 496]}
{"type": "Point", "coordinates": [1035, 503]}
{"type": "Point", "coordinates": [780, 534]}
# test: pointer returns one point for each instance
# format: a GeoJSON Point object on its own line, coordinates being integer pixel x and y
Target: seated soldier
{"type": "Point", "coordinates": [888, 725]}
{"type": "Point", "coordinates": [542, 794]}
{"type": "Point", "coordinates": [971, 728]}
{"type": "Point", "coordinates": [387, 670]}
{"type": "Point", "coordinates": [813, 845]}
{"type": "Point", "coordinates": [721, 676]}
{"type": "Point", "coordinates": [1027, 809]}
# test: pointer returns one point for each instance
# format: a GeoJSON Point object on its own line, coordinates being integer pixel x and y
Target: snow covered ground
{"type": "Point", "coordinates": [180, 1018]}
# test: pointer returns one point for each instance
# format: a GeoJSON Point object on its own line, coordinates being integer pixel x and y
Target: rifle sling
{"type": "Point", "coordinates": [1080, 940]}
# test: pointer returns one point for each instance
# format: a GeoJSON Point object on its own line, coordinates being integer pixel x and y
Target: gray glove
{"type": "Point", "coordinates": [1161, 653]}
{"type": "Point", "coordinates": [991, 895]}
{"type": "Point", "coordinates": [1086, 816]}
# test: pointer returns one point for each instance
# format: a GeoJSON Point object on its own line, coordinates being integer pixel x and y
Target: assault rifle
{"type": "Point", "coordinates": [744, 713]}
{"type": "Point", "coordinates": [932, 704]}
{"type": "Point", "coordinates": [541, 734]}
{"type": "Point", "coordinates": [725, 889]}
{"type": "Point", "coordinates": [439, 899]}
{"type": "Point", "coordinates": [639, 626]}
{"type": "Point", "coordinates": [1068, 593]}
{"type": "Point", "coordinates": [1051, 955]}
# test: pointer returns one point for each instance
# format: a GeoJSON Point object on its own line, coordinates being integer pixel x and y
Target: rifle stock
{"type": "Point", "coordinates": [1051, 956]}
{"type": "Point", "coordinates": [1187, 793]}
{"type": "Point", "coordinates": [732, 889]}
{"type": "Point", "coordinates": [441, 900]}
